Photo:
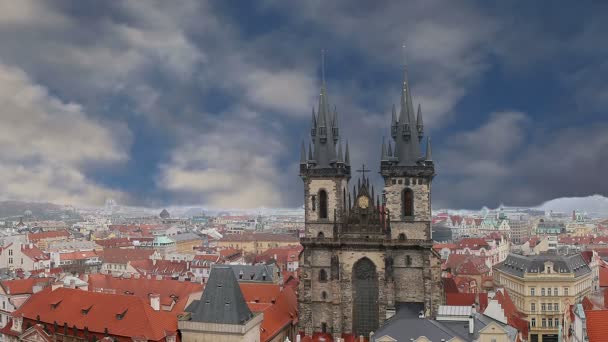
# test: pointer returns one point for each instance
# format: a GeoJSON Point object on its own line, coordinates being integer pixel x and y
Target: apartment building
{"type": "Point", "coordinates": [542, 286]}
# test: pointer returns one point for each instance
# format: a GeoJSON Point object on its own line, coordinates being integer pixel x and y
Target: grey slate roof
{"type": "Point", "coordinates": [185, 237]}
{"type": "Point", "coordinates": [222, 300]}
{"type": "Point", "coordinates": [517, 265]}
{"type": "Point", "coordinates": [263, 273]}
{"type": "Point", "coordinates": [406, 326]}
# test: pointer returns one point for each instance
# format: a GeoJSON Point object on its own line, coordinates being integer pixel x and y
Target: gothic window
{"type": "Point", "coordinates": [408, 260]}
{"type": "Point", "coordinates": [324, 295]}
{"type": "Point", "coordinates": [314, 202]}
{"type": "Point", "coordinates": [322, 204]}
{"type": "Point", "coordinates": [322, 276]}
{"type": "Point", "coordinates": [401, 237]}
{"type": "Point", "coordinates": [320, 235]}
{"type": "Point", "coordinates": [324, 327]}
{"type": "Point", "coordinates": [408, 202]}
{"type": "Point", "coordinates": [407, 181]}
{"type": "Point", "coordinates": [365, 297]}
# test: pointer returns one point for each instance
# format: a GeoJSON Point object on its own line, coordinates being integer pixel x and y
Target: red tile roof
{"type": "Point", "coordinates": [169, 290]}
{"type": "Point", "coordinates": [122, 315]}
{"type": "Point", "coordinates": [161, 267]}
{"type": "Point", "coordinates": [23, 286]}
{"type": "Point", "coordinates": [597, 329]}
{"type": "Point", "coordinates": [122, 256]}
{"type": "Point", "coordinates": [515, 318]}
{"type": "Point", "coordinates": [282, 314]}
{"type": "Point", "coordinates": [460, 299]}
{"type": "Point", "coordinates": [115, 242]}
{"type": "Point", "coordinates": [56, 234]}
{"type": "Point", "coordinates": [466, 264]}
{"type": "Point", "coordinates": [282, 255]}
{"type": "Point", "coordinates": [247, 237]}
{"type": "Point", "coordinates": [472, 243]}
{"type": "Point", "coordinates": [34, 253]}
{"type": "Point", "coordinates": [603, 277]}
{"type": "Point", "coordinates": [78, 255]}
{"type": "Point", "coordinates": [440, 246]}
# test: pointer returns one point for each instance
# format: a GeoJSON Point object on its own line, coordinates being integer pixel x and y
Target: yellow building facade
{"type": "Point", "coordinates": [542, 286]}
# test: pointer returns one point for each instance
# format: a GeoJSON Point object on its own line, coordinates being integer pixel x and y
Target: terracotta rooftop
{"type": "Point", "coordinates": [23, 286]}
{"type": "Point", "coordinates": [161, 267]}
{"type": "Point", "coordinates": [169, 290]}
{"type": "Point", "coordinates": [249, 237]}
{"type": "Point", "coordinates": [34, 253]}
{"type": "Point", "coordinates": [121, 315]}
{"type": "Point", "coordinates": [78, 255]}
{"type": "Point", "coordinates": [122, 256]}
{"type": "Point", "coordinates": [35, 237]}
{"type": "Point", "coordinates": [597, 329]}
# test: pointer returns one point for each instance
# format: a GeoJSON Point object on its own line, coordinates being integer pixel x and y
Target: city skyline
{"type": "Point", "coordinates": [207, 104]}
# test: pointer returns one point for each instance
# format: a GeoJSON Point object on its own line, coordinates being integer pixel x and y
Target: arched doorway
{"type": "Point", "coordinates": [365, 297]}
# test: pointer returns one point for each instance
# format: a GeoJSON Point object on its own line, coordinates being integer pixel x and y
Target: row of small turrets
{"type": "Point", "coordinates": [326, 150]}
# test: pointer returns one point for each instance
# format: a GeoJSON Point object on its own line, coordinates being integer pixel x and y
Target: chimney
{"type": "Point", "coordinates": [473, 309]}
{"type": "Point", "coordinates": [136, 276]}
{"type": "Point", "coordinates": [471, 325]}
{"type": "Point", "coordinates": [155, 301]}
{"type": "Point", "coordinates": [298, 338]}
{"type": "Point", "coordinates": [361, 338]}
{"type": "Point", "coordinates": [31, 245]}
{"type": "Point", "coordinates": [37, 288]}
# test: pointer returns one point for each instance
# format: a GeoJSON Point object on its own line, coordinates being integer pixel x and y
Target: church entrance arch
{"type": "Point", "coordinates": [365, 297]}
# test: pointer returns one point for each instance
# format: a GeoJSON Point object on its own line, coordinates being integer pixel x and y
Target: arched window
{"type": "Point", "coordinates": [322, 275]}
{"type": "Point", "coordinates": [401, 237]}
{"type": "Point", "coordinates": [408, 260]}
{"type": "Point", "coordinates": [408, 202]}
{"type": "Point", "coordinates": [322, 204]}
{"type": "Point", "coordinates": [320, 235]}
{"type": "Point", "coordinates": [324, 295]}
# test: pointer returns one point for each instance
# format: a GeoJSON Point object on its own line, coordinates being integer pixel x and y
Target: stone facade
{"type": "Point", "coordinates": [326, 293]}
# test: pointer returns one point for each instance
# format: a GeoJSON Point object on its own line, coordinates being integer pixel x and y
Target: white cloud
{"type": "Point", "coordinates": [235, 164]}
{"type": "Point", "coordinates": [45, 144]}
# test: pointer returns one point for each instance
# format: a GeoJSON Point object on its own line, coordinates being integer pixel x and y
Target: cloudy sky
{"type": "Point", "coordinates": [205, 103]}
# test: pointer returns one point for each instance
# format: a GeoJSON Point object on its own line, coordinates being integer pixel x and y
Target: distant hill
{"type": "Point", "coordinates": [18, 208]}
{"type": "Point", "coordinates": [596, 204]}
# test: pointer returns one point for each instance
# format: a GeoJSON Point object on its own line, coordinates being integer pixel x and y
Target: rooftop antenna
{"type": "Point", "coordinates": [404, 62]}
{"type": "Point", "coordinates": [323, 65]}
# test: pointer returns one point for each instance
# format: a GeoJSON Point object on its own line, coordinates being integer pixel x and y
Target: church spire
{"type": "Point", "coordinates": [326, 131]}
{"type": "Point", "coordinates": [407, 132]}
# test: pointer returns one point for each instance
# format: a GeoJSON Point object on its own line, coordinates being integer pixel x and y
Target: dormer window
{"type": "Point", "coordinates": [405, 130]}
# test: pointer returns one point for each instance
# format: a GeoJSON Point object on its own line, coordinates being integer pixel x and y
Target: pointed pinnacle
{"type": "Point", "coordinates": [419, 118]}
{"type": "Point", "coordinates": [310, 152]}
{"type": "Point", "coordinates": [302, 154]}
{"type": "Point", "coordinates": [390, 149]}
{"type": "Point", "coordinates": [429, 151]}
{"type": "Point", "coordinates": [394, 117]}
{"type": "Point", "coordinates": [340, 159]}
{"type": "Point", "coordinates": [383, 151]}
{"type": "Point", "coordinates": [346, 155]}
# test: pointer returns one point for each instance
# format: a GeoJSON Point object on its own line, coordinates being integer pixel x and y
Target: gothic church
{"type": "Point", "coordinates": [365, 254]}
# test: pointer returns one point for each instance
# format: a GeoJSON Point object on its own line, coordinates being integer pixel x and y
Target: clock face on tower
{"type": "Point", "coordinates": [363, 202]}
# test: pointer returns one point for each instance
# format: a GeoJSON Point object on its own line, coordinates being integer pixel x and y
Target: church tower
{"type": "Point", "coordinates": [364, 258]}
